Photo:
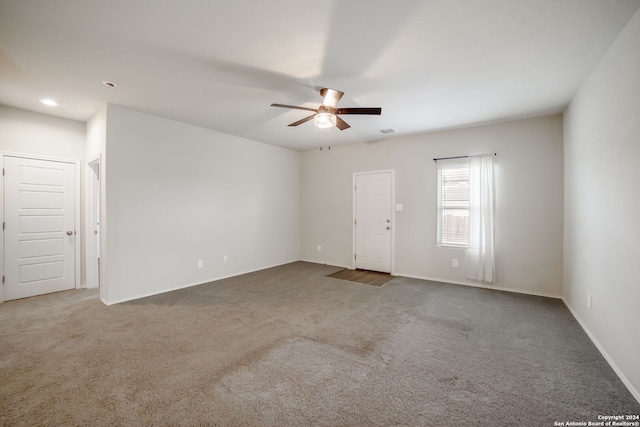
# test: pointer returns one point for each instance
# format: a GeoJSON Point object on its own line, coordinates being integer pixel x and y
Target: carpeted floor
{"type": "Point", "coordinates": [289, 346]}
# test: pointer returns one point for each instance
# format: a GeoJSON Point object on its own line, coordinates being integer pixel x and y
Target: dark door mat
{"type": "Point", "coordinates": [373, 278]}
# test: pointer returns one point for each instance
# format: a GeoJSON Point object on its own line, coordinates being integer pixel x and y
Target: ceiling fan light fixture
{"type": "Point", "coordinates": [326, 115]}
{"type": "Point", "coordinates": [324, 120]}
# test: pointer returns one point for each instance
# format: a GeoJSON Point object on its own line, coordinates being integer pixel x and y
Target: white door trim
{"type": "Point", "coordinates": [92, 201]}
{"type": "Point", "coordinates": [76, 206]}
{"type": "Point", "coordinates": [393, 215]}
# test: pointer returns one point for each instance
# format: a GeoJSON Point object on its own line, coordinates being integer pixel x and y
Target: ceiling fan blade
{"type": "Point", "coordinates": [306, 119]}
{"type": "Point", "coordinates": [341, 124]}
{"type": "Point", "coordinates": [331, 97]}
{"type": "Point", "coordinates": [294, 107]}
{"type": "Point", "coordinates": [357, 110]}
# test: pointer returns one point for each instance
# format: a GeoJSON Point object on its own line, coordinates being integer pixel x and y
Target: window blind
{"type": "Point", "coordinates": [453, 202]}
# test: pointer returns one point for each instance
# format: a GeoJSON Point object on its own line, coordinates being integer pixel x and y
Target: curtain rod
{"type": "Point", "coordinates": [456, 157]}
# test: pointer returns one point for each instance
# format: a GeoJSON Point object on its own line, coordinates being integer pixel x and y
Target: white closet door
{"type": "Point", "coordinates": [39, 233]}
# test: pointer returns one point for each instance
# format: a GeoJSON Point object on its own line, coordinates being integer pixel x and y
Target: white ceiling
{"type": "Point", "coordinates": [430, 64]}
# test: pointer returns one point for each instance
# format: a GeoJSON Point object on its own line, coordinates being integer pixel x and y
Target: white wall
{"type": "Point", "coordinates": [96, 140]}
{"type": "Point", "coordinates": [529, 202]}
{"type": "Point", "coordinates": [177, 193]}
{"type": "Point", "coordinates": [602, 205]}
{"type": "Point", "coordinates": [41, 135]}
{"type": "Point", "coordinates": [26, 132]}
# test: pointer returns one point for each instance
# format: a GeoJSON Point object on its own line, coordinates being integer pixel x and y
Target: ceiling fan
{"type": "Point", "coordinates": [326, 115]}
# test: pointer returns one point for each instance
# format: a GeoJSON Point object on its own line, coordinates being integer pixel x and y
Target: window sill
{"type": "Point", "coordinates": [448, 245]}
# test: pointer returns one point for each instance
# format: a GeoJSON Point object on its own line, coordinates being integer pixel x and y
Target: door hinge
{"type": "Point", "coordinates": [3, 225]}
{"type": "Point", "coordinates": [2, 171]}
{"type": "Point", "coordinates": [354, 256]}
{"type": "Point", "coordinates": [355, 222]}
{"type": "Point", "coordinates": [2, 279]}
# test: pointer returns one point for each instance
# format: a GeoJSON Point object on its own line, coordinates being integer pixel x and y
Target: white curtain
{"type": "Point", "coordinates": [481, 264]}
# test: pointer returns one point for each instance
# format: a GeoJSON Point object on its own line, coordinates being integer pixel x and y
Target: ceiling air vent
{"type": "Point", "coordinates": [390, 130]}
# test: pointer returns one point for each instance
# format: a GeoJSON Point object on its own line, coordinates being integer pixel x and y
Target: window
{"type": "Point", "coordinates": [453, 202]}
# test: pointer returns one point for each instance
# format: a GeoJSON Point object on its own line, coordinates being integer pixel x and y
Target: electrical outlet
{"type": "Point", "coordinates": [319, 248]}
{"type": "Point", "coordinates": [225, 258]}
{"type": "Point", "coordinates": [589, 301]}
{"type": "Point", "coordinates": [454, 262]}
{"type": "Point", "coordinates": [200, 263]}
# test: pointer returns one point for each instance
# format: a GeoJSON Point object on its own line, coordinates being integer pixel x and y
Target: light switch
{"type": "Point", "coordinates": [399, 207]}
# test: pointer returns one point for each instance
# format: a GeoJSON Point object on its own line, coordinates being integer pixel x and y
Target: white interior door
{"type": "Point", "coordinates": [373, 216]}
{"type": "Point", "coordinates": [39, 234]}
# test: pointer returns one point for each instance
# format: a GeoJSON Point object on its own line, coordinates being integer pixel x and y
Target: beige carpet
{"type": "Point", "coordinates": [365, 277]}
{"type": "Point", "coordinates": [289, 346]}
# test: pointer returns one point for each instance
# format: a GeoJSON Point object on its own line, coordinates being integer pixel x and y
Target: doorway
{"type": "Point", "coordinates": [93, 221]}
{"type": "Point", "coordinates": [373, 233]}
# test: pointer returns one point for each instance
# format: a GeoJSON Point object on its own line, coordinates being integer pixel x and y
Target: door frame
{"type": "Point", "coordinates": [393, 215]}
{"type": "Point", "coordinates": [93, 207]}
{"type": "Point", "coordinates": [76, 213]}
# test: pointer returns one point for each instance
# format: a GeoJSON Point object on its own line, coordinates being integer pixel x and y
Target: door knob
{"type": "Point", "coordinates": [69, 233]}
{"type": "Point", "coordinates": [388, 228]}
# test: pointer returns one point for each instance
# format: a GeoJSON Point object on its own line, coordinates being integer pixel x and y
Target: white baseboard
{"type": "Point", "coordinates": [634, 391]}
{"type": "Point", "coordinates": [453, 282]}
{"type": "Point", "coordinates": [480, 285]}
{"type": "Point", "coordinates": [325, 263]}
{"type": "Point", "coordinates": [188, 285]}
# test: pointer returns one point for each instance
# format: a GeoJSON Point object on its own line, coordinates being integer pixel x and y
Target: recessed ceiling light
{"type": "Point", "coordinates": [109, 84]}
{"type": "Point", "coordinates": [390, 130]}
{"type": "Point", "coordinates": [50, 102]}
